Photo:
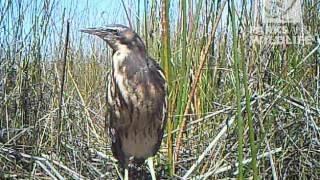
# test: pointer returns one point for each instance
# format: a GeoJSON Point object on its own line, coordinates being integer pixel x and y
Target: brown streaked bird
{"type": "Point", "coordinates": [136, 97]}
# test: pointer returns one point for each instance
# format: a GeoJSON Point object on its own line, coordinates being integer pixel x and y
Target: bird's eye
{"type": "Point", "coordinates": [117, 33]}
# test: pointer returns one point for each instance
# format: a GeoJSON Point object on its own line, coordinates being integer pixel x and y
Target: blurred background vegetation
{"type": "Point", "coordinates": [238, 108]}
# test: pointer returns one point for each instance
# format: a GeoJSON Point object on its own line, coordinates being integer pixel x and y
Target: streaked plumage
{"type": "Point", "coordinates": [136, 96]}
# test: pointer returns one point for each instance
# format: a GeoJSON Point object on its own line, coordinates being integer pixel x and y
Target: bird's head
{"type": "Point", "coordinates": [118, 37]}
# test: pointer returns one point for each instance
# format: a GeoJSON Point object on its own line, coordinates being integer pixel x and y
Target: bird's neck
{"type": "Point", "coordinates": [124, 60]}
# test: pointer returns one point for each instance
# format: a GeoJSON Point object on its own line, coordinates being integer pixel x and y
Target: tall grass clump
{"type": "Point", "coordinates": [236, 69]}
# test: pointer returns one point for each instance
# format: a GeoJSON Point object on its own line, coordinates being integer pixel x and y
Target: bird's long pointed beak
{"type": "Point", "coordinates": [95, 31]}
{"type": "Point", "coordinates": [112, 28]}
{"type": "Point", "coordinates": [88, 30]}
{"type": "Point", "coordinates": [107, 28]}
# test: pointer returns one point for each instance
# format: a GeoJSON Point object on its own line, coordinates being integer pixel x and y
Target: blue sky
{"type": "Point", "coordinates": [81, 13]}
{"type": "Point", "coordinates": [92, 12]}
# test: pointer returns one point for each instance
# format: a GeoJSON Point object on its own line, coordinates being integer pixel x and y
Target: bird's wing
{"type": "Point", "coordinates": [158, 76]}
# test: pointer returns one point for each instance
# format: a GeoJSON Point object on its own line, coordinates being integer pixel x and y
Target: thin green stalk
{"type": "Point", "coordinates": [238, 91]}
{"type": "Point", "coordinates": [250, 119]}
{"type": "Point", "coordinates": [182, 91]}
{"type": "Point", "coordinates": [184, 68]}
{"type": "Point", "coordinates": [166, 59]}
{"type": "Point", "coordinates": [247, 97]}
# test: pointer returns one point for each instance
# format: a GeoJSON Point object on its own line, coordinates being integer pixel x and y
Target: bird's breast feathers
{"type": "Point", "coordinates": [137, 83]}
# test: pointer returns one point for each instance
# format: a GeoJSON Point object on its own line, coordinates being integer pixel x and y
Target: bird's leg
{"type": "Point", "coordinates": [118, 172]}
{"type": "Point", "coordinates": [151, 168]}
{"type": "Point", "coordinates": [126, 174]}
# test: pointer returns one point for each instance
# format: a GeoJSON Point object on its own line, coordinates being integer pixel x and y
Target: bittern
{"type": "Point", "coordinates": [136, 97]}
